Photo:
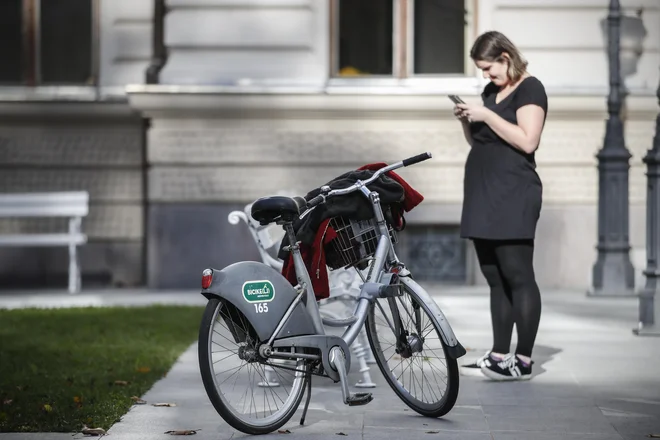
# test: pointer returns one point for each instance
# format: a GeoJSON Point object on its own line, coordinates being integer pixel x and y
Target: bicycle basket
{"type": "Point", "coordinates": [356, 241]}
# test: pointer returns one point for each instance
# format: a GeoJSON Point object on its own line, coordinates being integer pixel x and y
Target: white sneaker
{"type": "Point", "coordinates": [474, 368]}
{"type": "Point", "coordinates": [509, 368]}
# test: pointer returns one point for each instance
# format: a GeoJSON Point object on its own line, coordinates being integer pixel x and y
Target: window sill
{"type": "Point", "coordinates": [61, 93]}
{"type": "Point", "coordinates": [438, 85]}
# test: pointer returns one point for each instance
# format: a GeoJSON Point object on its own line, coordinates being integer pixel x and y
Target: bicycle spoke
{"type": "Point", "coordinates": [422, 374]}
{"type": "Point", "coordinates": [254, 391]}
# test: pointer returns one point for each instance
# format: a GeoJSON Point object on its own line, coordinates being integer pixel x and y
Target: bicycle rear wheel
{"type": "Point", "coordinates": [431, 391]}
{"type": "Point", "coordinates": [228, 342]}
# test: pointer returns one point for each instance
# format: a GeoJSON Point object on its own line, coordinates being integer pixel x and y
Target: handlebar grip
{"type": "Point", "coordinates": [315, 201]}
{"type": "Point", "coordinates": [416, 159]}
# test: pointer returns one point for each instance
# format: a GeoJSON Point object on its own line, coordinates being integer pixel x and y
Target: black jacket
{"type": "Point", "coordinates": [354, 205]}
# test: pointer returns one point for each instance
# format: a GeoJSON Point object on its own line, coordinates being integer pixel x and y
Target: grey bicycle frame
{"type": "Point", "coordinates": [369, 291]}
{"type": "Point", "coordinates": [373, 281]}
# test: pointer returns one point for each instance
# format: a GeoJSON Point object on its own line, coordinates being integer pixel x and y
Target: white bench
{"type": "Point", "coordinates": [344, 288]}
{"type": "Point", "coordinates": [74, 205]}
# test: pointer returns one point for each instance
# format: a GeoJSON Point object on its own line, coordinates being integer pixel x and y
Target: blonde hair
{"type": "Point", "coordinates": [493, 46]}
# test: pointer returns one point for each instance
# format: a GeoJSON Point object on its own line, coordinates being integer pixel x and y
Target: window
{"type": "Point", "coordinates": [399, 38]}
{"type": "Point", "coordinates": [47, 42]}
{"type": "Point", "coordinates": [11, 30]}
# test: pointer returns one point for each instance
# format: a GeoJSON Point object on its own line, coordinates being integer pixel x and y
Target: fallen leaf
{"type": "Point", "coordinates": [183, 432]}
{"type": "Point", "coordinates": [283, 431]}
{"type": "Point", "coordinates": [432, 432]}
{"type": "Point", "coordinates": [7, 402]}
{"type": "Point", "coordinates": [163, 404]}
{"type": "Point", "coordinates": [340, 433]}
{"type": "Point", "coordinates": [92, 431]}
{"type": "Point", "coordinates": [122, 383]}
{"type": "Point", "coordinates": [47, 408]}
{"type": "Point", "coordinates": [138, 401]}
{"type": "Point", "coordinates": [144, 370]}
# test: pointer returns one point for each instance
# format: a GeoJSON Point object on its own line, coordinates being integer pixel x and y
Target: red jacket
{"type": "Point", "coordinates": [314, 255]}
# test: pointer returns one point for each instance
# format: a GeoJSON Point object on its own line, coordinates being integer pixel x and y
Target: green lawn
{"type": "Point", "coordinates": [59, 369]}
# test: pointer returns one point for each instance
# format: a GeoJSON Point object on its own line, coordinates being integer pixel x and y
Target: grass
{"type": "Point", "coordinates": [59, 367]}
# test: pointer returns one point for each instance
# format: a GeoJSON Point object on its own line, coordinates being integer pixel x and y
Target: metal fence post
{"type": "Point", "coordinates": [647, 325]}
{"type": "Point", "coordinates": [613, 273]}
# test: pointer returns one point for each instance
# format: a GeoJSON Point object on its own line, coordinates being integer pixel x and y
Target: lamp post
{"type": "Point", "coordinates": [647, 325]}
{"type": "Point", "coordinates": [613, 273]}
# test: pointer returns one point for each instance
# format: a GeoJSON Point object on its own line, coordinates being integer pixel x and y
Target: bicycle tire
{"type": "Point", "coordinates": [448, 401]}
{"type": "Point", "coordinates": [208, 379]}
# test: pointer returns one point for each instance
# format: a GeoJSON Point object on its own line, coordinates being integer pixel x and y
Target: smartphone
{"type": "Point", "coordinates": [456, 99]}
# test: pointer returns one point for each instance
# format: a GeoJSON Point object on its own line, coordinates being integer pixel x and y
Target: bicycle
{"type": "Point", "coordinates": [275, 324]}
{"type": "Point", "coordinates": [344, 291]}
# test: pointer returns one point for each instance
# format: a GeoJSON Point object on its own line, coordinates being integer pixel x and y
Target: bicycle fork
{"type": "Point", "coordinates": [336, 356]}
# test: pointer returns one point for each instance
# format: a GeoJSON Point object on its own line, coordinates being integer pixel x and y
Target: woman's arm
{"type": "Point", "coordinates": [466, 131]}
{"type": "Point", "coordinates": [526, 135]}
{"type": "Point", "coordinates": [465, 124]}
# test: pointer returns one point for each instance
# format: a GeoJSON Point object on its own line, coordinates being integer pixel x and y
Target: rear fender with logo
{"type": "Point", "coordinates": [262, 295]}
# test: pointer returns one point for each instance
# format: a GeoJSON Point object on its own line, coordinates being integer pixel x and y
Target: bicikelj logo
{"type": "Point", "coordinates": [258, 291]}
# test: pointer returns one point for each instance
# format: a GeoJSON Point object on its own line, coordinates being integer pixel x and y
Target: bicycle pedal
{"type": "Point", "coordinates": [358, 399]}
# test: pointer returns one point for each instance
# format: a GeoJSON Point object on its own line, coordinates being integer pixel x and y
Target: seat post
{"type": "Point", "coordinates": [290, 233]}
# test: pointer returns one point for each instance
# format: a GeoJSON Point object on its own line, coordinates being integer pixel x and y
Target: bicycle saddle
{"type": "Point", "coordinates": [270, 209]}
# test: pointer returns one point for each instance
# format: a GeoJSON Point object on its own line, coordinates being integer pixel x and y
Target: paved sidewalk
{"type": "Point", "coordinates": [593, 380]}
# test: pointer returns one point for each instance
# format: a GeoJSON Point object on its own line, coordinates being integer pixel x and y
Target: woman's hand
{"type": "Point", "coordinates": [458, 113]}
{"type": "Point", "coordinates": [473, 112]}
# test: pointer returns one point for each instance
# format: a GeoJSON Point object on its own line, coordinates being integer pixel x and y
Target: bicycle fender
{"type": "Point", "coordinates": [455, 348]}
{"type": "Point", "coordinates": [263, 296]}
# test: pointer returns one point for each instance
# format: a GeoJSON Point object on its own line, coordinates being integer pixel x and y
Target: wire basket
{"type": "Point", "coordinates": [355, 242]}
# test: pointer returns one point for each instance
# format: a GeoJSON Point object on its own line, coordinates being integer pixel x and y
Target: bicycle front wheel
{"type": "Point", "coordinates": [406, 343]}
{"type": "Point", "coordinates": [237, 379]}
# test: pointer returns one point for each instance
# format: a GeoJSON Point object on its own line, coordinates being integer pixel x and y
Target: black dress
{"type": "Point", "coordinates": [501, 190]}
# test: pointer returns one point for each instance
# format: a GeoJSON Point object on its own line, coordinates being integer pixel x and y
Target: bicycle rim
{"type": "Point", "coordinates": [253, 396]}
{"type": "Point", "coordinates": [419, 370]}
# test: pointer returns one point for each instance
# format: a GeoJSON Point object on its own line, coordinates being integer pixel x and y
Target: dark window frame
{"type": "Point", "coordinates": [403, 44]}
{"type": "Point", "coordinates": [31, 72]}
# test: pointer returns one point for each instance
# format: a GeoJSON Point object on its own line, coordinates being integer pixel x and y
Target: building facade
{"type": "Point", "coordinates": [261, 96]}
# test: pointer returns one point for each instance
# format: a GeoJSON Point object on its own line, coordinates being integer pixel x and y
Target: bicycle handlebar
{"type": "Point", "coordinates": [337, 192]}
{"type": "Point", "coordinates": [315, 201]}
{"type": "Point", "coordinates": [416, 159]}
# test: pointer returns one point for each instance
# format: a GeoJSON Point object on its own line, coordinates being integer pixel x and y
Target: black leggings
{"type": "Point", "coordinates": [514, 294]}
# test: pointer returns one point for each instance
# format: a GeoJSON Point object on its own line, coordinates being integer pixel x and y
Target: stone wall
{"type": "Point", "coordinates": [223, 41]}
{"type": "Point", "coordinates": [209, 153]}
{"type": "Point", "coordinates": [573, 57]}
{"type": "Point", "coordinates": [75, 146]}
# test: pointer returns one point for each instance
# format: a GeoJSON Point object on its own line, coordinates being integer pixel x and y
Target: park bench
{"type": "Point", "coordinates": [74, 205]}
{"type": "Point", "coordinates": [344, 289]}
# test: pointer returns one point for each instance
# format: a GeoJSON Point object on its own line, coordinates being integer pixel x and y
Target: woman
{"type": "Point", "coordinates": [502, 199]}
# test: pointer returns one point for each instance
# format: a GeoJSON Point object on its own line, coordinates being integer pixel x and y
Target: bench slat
{"type": "Point", "coordinates": [42, 239]}
{"type": "Point", "coordinates": [48, 204]}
